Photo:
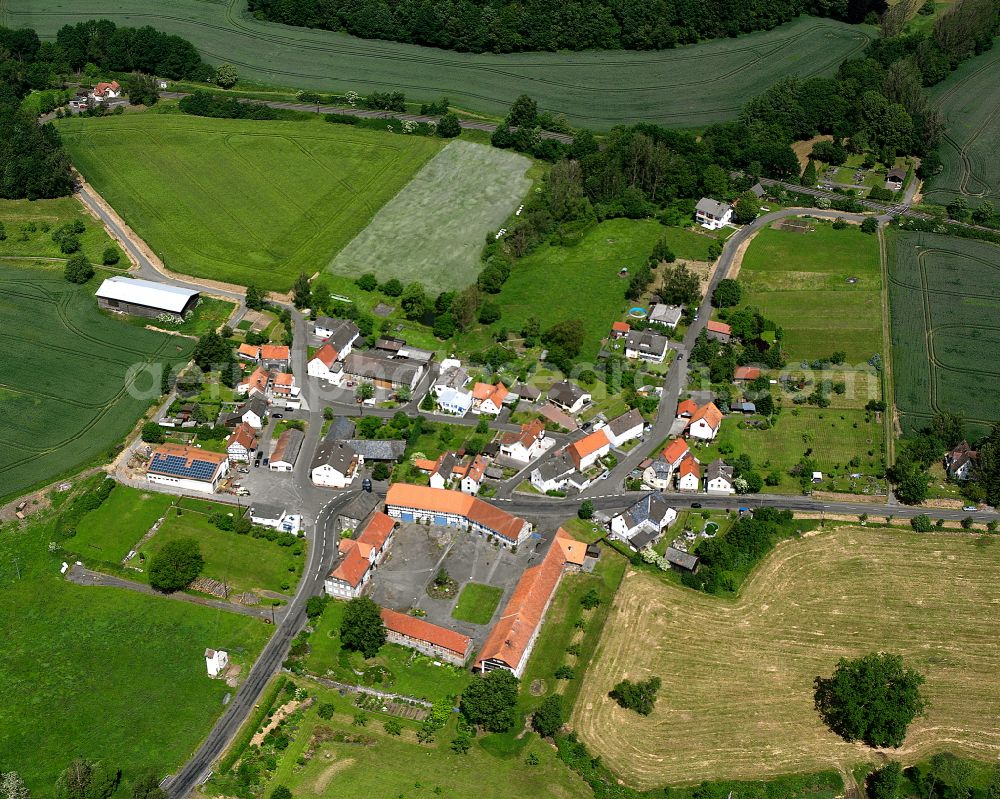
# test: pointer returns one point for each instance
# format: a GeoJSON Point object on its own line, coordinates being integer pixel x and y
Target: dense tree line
{"type": "Point", "coordinates": [209, 104]}
{"type": "Point", "coordinates": [507, 26]}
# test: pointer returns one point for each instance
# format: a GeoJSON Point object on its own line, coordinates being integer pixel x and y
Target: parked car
{"type": "Point", "coordinates": [277, 416]}
{"type": "Point", "coordinates": [266, 461]}
{"type": "Point", "coordinates": [969, 507]}
{"type": "Point", "coordinates": [695, 504]}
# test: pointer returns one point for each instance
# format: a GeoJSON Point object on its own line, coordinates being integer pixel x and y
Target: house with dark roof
{"type": "Point", "coordinates": [568, 396]}
{"type": "Point", "coordinates": [894, 179]}
{"type": "Point", "coordinates": [286, 450]}
{"type": "Point", "coordinates": [252, 412]}
{"type": "Point", "coordinates": [959, 462]}
{"type": "Point", "coordinates": [719, 478]}
{"type": "Point", "coordinates": [357, 510]}
{"type": "Point", "coordinates": [553, 474]}
{"type": "Point", "coordinates": [378, 449]}
{"type": "Point", "coordinates": [651, 515]}
{"type": "Point", "coordinates": [383, 369]}
{"type": "Point", "coordinates": [335, 464]}
{"type": "Point", "coordinates": [712, 214]}
{"type": "Point", "coordinates": [645, 345]}
{"type": "Point", "coordinates": [625, 428]}
{"type": "Point", "coordinates": [341, 428]}
{"type": "Point", "coordinates": [680, 560]}
{"type": "Point", "coordinates": [657, 474]}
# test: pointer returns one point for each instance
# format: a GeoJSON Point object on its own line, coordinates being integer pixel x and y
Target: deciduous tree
{"type": "Point", "coordinates": [361, 629]}
{"type": "Point", "coordinates": [176, 565]}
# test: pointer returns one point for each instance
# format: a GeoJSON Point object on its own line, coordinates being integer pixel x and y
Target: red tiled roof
{"type": "Point", "coordinates": [250, 350]}
{"type": "Point", "coordinates": [258, 379]}
{"type": "Point", "coordinates": [675, 450]}
{"type": "Point", "coordinates": [621, 327]}
{"type": "Point", "coordinates": [530, 432]}
{"type": "Point", "coordinates": [509, 639]}
{"type": "Point", "coordinates": [352, 568]}
{"type": "Point", "coordinates": [746, 373]}
{"type": "Point", "coordinates": [719, 327]}
{"type": "Point", "coordinates": [689, 466]}
{"type": "Point", "coordinates": [711, 415]}
{"type": "Point", "coordinates": [378, 530]}
{"type": "Point", "coordinates": [274, 352]}
{"type": "Point", "coordinates": [284, 379]}
{"type": "Point", "coordinates": [440, 500]}
{"type": "Point", "coordinates": [243, 434]}
{"type": "Point", "coordinates": [587, 445]}
{"type": "Point", "coordinates": [327, 354]}
{"type": "Point", "coordinates": [485, 391]}
{"type": "Point", "coordinates": [425, 631]}
{"type": "Point", "coordinates": [687, 407]}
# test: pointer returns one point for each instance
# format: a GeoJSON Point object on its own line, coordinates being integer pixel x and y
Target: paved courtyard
{"type": "Point", "coordinates": [419, 551]}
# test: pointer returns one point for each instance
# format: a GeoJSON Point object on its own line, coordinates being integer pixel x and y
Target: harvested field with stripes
{"type": "Point", "coordinates": [736, 700]}
{"type": "Point", "coordinates": [943, 296]}
{"type": "Point", "coordinates": [686, 87]}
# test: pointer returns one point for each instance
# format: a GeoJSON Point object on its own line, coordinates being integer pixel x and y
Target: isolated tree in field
{"type": "Point", "coordinates": [13, 787]}
{"type": "Point", "coordinates": [747, 208]}
{"type": "Point", "coordinates": [392, 288]}
{"type": "Point", "coordinates": [255, 298]}
{"type": "Point", "coordinates": [152, 433]}
{"type": "Point", "coordinates": [281, 792]}
{"type": "Point", "coordinates": [147, 786]}
{"type": "Point", "coordinates": [661, 253]}
{"type": "Point", "coordinates": [547, 719]}
{"type": "Point", "coordinates": [301, 293]}
{"type": "Point", "coordinates": [489, 702]}
{"type": "Point", "coordinates": [637, 696]}
{"type": "Point", "coordinates": [872, 699]}
{"type": "Point", "coordinates": [523, 113]}
{"type": "Point", "coordinates": [226, 76]}
{"type": "Point", "coordinates": [361, 629]}
{"type": "Point", "coordinates": [83, 779]}
{"type": "Point", "coordinates": [448, 127]}
{"type": "Point", "coordinates": [883, 783]}
{"type": "Point", "coordinates": [78, 269]}
{"type": "Point", "coordinates": [921, 523]}
{"type": "Point", "coordinates": [111, 256]}
{"type": "Point", "coordinates": [727, 294]}
{"type": "Point", "coordinates": [586, 510]}
{"type": "Point", "coordinates": [176, 565]}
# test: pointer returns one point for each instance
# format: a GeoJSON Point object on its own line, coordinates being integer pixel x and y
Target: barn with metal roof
{"type": "Point", "coordinates": [144, 297]}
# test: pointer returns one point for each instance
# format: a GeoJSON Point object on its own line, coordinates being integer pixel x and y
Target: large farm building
{"type": "Point", "coordinates": [144, 297]}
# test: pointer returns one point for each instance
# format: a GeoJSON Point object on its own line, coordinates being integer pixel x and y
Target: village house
{"type": "Point", "coordinates": [387, 450]}
{"type": "Point", "coordinates": [284, 392]}
{"type": "Point", "coordinates": [286, 450]}
{"type": "Point", "coordinates": [242, 444]}
{"type": "Point", "coordinates": [711, 214]}
{"type": "Point", "coordinates": [554, 474]}
{"type": "Point", "coordinates": [187, 468]}
{"type": "Point", "coordinates": [275, 517]}
{"type": "Point", "coordinates": [625, 428]}
{"type": "Point", "coordinates": [586, 451]}
{"type": "Point", "coordinates": [745, 374]}
{"type": "Point", "coordinates": [675, 452]}
{"type": "Point", "coordinates": [216, 661]}
{"type": "Point", "coordinates": [340, 334]}
{"type": "Point", "coordinates": [411, 503]}
{"type": "Point", "coordinates": [719, 478]}
{"type": "Point", "coordinates": [248, 352]}
{"type": "Point", "coordinates": [145, 297]}
{"type": "Point", "coordinates": [568, 396]}
{"type": "Point", "coordinates": [689, 475]}
{"type": "Point", "coordinates": [383, 370]}
{"type": "Point", "coordinates": [657, 474]}
{"type": "Point", "coordinates": [619, 330]}
{"type": "Point", "coordinates": [666, 315]}
{"type": "Point", "coordinates": [252, 412]}
{"type": "Point", "coordinates": [959, 462]}
{"type": "Point", "coordinates": [449, 389]}
{"type": "Point", "coordinates": [335, 465]}
{"type": "Point", "coordinates": [450, 470]}
{"type": "Point", "coordinates": [275, 356]}
{"type": "Point", "coordinates": [894, 179]}
{"type": "Point", "coordinates": [255, 384]}
{"type": "Point", "coordinates": [526, 445]}
{"type": "Point", "coordinates": [325, 365]}
{"type": "Point", "coordinates": [512, 639]}
{"type": "Point", "coordinates": [359, 557]}
{"type": "Point", "coordinates": [705, 422]}
{"type": "Point", "coordinates": [357, 510]}
{"type": "Point", "coordinates": [718, 331]}
{"type": "Point", "coordinates": [105, 91]}
{"type": "Point", "coordinates": [436, 642]}
{"type": "Point", "coordinates": [645, 345]}
{"type": "Point", "coordinates": [643, 523]}
{"type": "Point", "coordinates": [488, 398]}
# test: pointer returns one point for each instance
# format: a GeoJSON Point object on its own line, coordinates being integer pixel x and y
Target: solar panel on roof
{"type": "Point", "coordinates": [177, 466]}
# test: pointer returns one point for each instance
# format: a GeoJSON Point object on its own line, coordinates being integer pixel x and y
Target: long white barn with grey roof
{"type": "Point", "coordinates": [144, 297]}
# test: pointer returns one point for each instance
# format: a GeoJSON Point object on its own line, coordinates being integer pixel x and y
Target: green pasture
{"type": "Point", "coordinates": [433, 230]}
{"type": "Point", "coordinates": [242, 201]}
{"type": "Point", "coordinates": [104, 673]}
{"type": "Point", "coordinates": [943, 296]}
{"type": "Point", "coordinates": [110, 532]}
{"type": "Point", "coordinates": [242, 562]}
{"type": "Point", "coordinates": [968, 100]}
{"type": "Point", "coordinates": [799, 280]}
{"type": "Point", "coordinates": [75, 381]}
{"type": "Point", "coordinates": [476, 603]}
{"type": "Point", "coordinates": [684, 87]}
{"type": "Point", "coordinates": [44, 216]}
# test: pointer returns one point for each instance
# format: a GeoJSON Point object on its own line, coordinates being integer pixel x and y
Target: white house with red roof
{"type": "Point", "coordinates": [585, 452]}
{"type": "Point", "coordinates": [488, 399]}
{"type": "Point", "coordinates": [359, 557]}
{"type": "Point", "coordinates": [284, 392]}
{"type": "Point", "coordinates": [257, 383]}
{"type": "Point", "coordinates": [526, 445]}
{"type": "Point", "coordinates": [705, 422]}
{"type": "Point", "coordinates": [242, 443]}
{"type": "Point", "coordinates": [689, 475]}
{"type": "Point", "coordinates": [104, 91]}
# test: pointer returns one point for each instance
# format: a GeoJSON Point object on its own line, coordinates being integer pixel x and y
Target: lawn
{"type": "Point", "coordinates": [243, 201]}
{"type": "Point", "coordinates": [476, 603]}
{"type": "Point", "coordinates": [209, 314]}
{"type": "Point", "coordinates": [104, 673]}
{"type": "Point", "coordinates": [683, 87]}
{"type": "Point", "coordinates": [411, 673]}
{"type": "Point", "coordinates": [943, 295]}
{"type": "Point", "coordinates": [737, 696]}
{"type": "Point", "coordinates": [242, 562]}
{"type": "Point", "coordinates": [75, 381]}
{"type": "Point", "coordinates": [799, 280]}
{"type": "Point", "coordinates": [433, 230]}
{"type": "Point", "coordinates": [45, 216]}
{"type": "Point", "coordinates": [110, 532]}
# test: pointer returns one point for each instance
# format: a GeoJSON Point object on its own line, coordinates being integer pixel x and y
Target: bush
{"type": "Point", "coordinates": [315, 605]}
{"type": "Point", "coordinates": [565, 673]}
{"type": "Point", "coordinates": [152, 433]}
{"type": "Point", "coordinates": [381, 471]}
{"type": "Point", "coordinates": [586, 510]}
{"type": "Point", "coordinates": [870, 225]}
{"type": "Point", "coordinates": [590, 600]}
{"type": "Point", "coordinates": [921, 523]}
{"type": "Point", "coordinates": [176, 565]}
{"type": "Point", "coordinates": [883, 783]}
{"type": "Point", "coordinates": [111, 256]}
{"type": "Point", "coordinates": [637, 696]}
{"type": "Point", "coordinates": [448, 127]}
{"type": "Point", "coordinates": [325, 711]}
{"type": "Point", "coordinates": [547, 719]}
{"type": "Point", "coordinates": [78, 269]}
{"type": "Point", "coordinates": [392, 727]}
{"type": "Point", "coordinates": [281, 792]}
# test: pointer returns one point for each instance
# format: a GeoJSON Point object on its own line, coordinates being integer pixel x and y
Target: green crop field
{"type": "Point", "coordinates": [737, 695]}
{"type": "Point", "coordinates": [800, 280]}
{"type": "Point", "coordinates": [477, 602]}
{"type": "Point", "coordinates": [243, 201]}
{"type": "Point", "coordinates": [104, 673]}
{"type": "Point", "coordinates": [685, 87]}
{"type": "Point", "coordinates": [433, 230]}
{"type": "Point", "coordinates": [74, 382]}
{"type": "Point", "coordinates": [970, 102]}
{"type": "Point", "coordinates": [943, 296]}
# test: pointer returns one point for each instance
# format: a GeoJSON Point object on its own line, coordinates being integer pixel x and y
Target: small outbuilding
{"type": "Point", "coordinates": [216, 660]}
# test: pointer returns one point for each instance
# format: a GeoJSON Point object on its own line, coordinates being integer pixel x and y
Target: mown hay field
{"type": "Point", "coordinates": [736, 700]}
{"type": "Point", "coordinates": [74, 381]}
{"type": "Point", "coordinates": [943, 296]}
{"type": "Point", "coordinates": [800, 280]}
{"type": "Point", "coordinates": [970, 102]}
{"type": "Point", "coordinates": [685, 87]}
{"type": "Point", "coordinates": [243, 201]}
{"type": "Point", "coordinates": [433, 230]}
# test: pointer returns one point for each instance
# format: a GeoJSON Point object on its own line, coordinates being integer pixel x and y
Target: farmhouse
{"type": "Point", "coordinates": [689, 475]}
{"type": "Point", "coordinates": [712, 214]}
{"type": "Point", "coordinates": [510, 642]}
{"type": "Point", "coordinates": [959, 462]}
{"type": "Point", "coordinates": [359, 557]}
{"type": "Point", "coordinates": [286, 451]}
{"type": "Point", "coordinates": [526, 445]}
{"type": "Point", "coordinates": [284, 392]}
{"type": "Point", "coordinates": [666, 315]}
{"type": "Point", "coordinates": [340, 334]}
{"type": "Point", "coordinates": [444, 508]}
{"type": "Point", "coordinates": [325, 365]}
{"type": "Point", "coordinates": [334, 465]}
{"type": "Point", "coordinates": [488, 399]}
{"type": "Point", "coordinates": [568, 396]}
{"type": "Point", "coordinates": [625, 428]}
{"type": "Point", "coordinates": [643, 523]}
{"type": "Point", "coordinates": [426, 638]}
{"type": "Point", "coordinates": [719, 478]}
{"type": "Point", "coordinates": [705, 422]}
{"type": "Point", "coordinates": [526, 392]}
{"type": "Point", "coordinates": [357, 510]}
{"type": "Point", "coordinates": [275, 356]}
{"type": "Point", "coordinates": [450, 388]}
{"type": "Point", "coordinates": [241, 445]}
{"type": "Point", "coordinates": [718, 331]}
{"type": "Point", "coordinates": [645, 345]}
{"type": "Point", "coordinates": [585, 452]}
{"type": "Point", "coordinates": [449, 469]}
{"type": "Point", "coordinates": [187, 468]}
{"type": "Point", "coordinates": [382, 369]}
{"type": "Point", "coordinates": [144, 297]}
{"type": "Point", "coordinates": [251, 412]}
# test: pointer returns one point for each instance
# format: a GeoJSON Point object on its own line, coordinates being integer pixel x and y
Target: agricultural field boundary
{"type": "Point", "coordinates": [685, 87]}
